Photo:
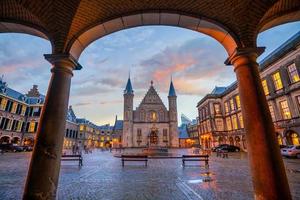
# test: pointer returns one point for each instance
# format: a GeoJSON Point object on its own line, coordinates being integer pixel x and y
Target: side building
{"type": "Point", "coordinates": [20, 114]}
{"type": "Point", "coordinates": [219, 113]}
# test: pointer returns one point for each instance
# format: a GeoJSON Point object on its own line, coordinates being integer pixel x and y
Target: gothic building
{"type": "Point", "coordinates": [151, 124]}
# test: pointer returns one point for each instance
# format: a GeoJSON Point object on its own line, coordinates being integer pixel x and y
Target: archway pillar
{"type": "Point", "coordinates": [266, 164]}
{"type": "Point", "coordinates": [42, 178]}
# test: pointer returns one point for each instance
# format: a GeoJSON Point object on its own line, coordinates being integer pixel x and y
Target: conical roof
{"type": "Point", "coordinates": [172, 92]}
{"type": "Point", "coordinates": [128, 89]}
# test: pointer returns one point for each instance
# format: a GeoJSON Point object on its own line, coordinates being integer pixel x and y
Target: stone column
{"type": "Point", "coordinates": [42, 178]}
{"type": "Point", "coordinates": [267, 168]}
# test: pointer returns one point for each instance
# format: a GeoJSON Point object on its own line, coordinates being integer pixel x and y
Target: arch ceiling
{"type": "Point", "coordinates": [64, 22]}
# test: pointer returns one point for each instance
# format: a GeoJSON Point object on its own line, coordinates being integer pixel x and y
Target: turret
{"type": "Point", "coordinates": [128, 115]}
{"type": "Point", "coordinates": [128, 101]}
{"type": "Point", "coordinates": [172, 102]}
{"type": "Point", "coordinates": [173, 116]}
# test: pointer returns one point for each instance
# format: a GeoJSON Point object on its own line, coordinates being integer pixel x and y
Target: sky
{"type": "Point", "coordinates": [194, 60]}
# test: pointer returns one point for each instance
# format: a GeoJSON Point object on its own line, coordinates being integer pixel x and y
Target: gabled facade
{"type": "Point", "coordinates": [151, 123]}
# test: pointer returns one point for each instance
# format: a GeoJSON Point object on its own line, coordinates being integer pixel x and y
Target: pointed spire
{"type": "Point", "coordinates": [128, 89]}
{"type": "Point", "coordinates": [172, 92]}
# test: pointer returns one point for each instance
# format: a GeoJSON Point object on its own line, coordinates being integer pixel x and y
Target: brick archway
{"type": "Point", "coordinates": [199, 24]}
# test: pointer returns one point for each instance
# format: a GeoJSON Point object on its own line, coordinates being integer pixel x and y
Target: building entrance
{"type": "Point", "coordinates": [153, 138]}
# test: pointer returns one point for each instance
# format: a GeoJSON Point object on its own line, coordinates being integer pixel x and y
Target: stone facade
{"type": "Point", "coordinates": [220, 113]}
{"type": "Point", "coordinates": [151, 124]}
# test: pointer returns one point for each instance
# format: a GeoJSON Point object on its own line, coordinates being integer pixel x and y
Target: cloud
{"type": "Point", "coordinates": [196, 61]}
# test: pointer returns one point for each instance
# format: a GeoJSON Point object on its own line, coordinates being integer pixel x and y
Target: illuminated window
{"type": "Point", "coordinates": [14, 107]}
{"type": "Point", "coordinates": [277, 81]}
{"type": "Point", "coordinates": [31, 127]}
{"type": "Point", "coordinates": [226, 107]}
{"type": "Point", "coordinates": [293, 73]}
{"type": "Point", "coordinates": [228, 123]}
{"type": "Point", "coordinates": [234, 122]}
{"type": "Point", "coordinates": [81, 128]}
{"type": "Point", "coordinates": [217, 108]}
{"type": "Point", "coordinates": [240, 116]}
{"type": "Point", "coordinates": [295, 139]}
{"type": "Point", "coordinates": [272, 113]}
{"type": "Point", "coordinates": [107, 138]}
{"type": "Point", "coordinates": [153, 116]}
{"type": "Point", "coordinates": [238, 101]}
{"type": "Point", "coordinates": [19, 126]}
{"type": "Point", "coordinates": [23, 110]}
{"type": "Point", "coordinates": [285, 110]}
{"type": "Point", "coordinates": [102, 138]}
{"type": "Point", "coordinates": [3, 104]}
{"type": "Point", "coordinates": [232, 107]}
{"type": "Point", "coordinates": [265, 87]}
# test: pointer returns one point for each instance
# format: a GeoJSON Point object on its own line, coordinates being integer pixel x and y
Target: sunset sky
{"type": "Point", "coordinates": [195, 61]}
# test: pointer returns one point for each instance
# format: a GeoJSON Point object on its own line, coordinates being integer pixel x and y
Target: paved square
{"type": "Point", "coordinates": [102, 177]}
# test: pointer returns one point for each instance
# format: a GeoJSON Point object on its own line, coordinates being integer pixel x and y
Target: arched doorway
{"type": "Point", "coordinates": [292, 138]}
{"type": "Point", "coordinates": [237, 141]}
{"type": "Point", "coordinates": [231, 142]}
{"type": "Point", "coordinates": [15, 140]}
{"type": "Point", "coordinates": [153, 138]}
{"type": "Point", "coordinates": [5, 140]}
{"type": "Point", "coordinates": [28, 142]}
{"type": "Point", "coordinates": [279, 138]}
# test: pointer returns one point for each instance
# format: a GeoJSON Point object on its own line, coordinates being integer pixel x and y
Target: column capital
{"type": "Point", "coordinates": [66, 59]}
{"type": "Point", "coordinates": [244, 51]}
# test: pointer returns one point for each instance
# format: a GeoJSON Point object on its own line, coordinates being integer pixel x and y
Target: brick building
{"type": "Point", "coordinates": [220, 116]}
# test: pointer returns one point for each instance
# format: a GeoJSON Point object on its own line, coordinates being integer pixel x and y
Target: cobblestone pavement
{"type": "Point", "coordinates": [102, 177]}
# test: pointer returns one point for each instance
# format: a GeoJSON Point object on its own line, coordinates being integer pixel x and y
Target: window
{"type": "Point", "coordinates": [217, 108]}
{"type": "Point", "coordinates": [285, 110]}
{"type": "Point", "coordinates": [272, 113]}
{"type": "Point", "coordinates": [234, 122]}
{"type": "Point", "coordinates": [81, 127]}
{"type": "Point", "coordinates": [219, 124]}
{"type": "Point", "coordinates": [139, 136]}
{"type": "Point", "coordinates": [228, 123]}
{"type": "Point", "coordinates": [226, 107]}
{"type": "Point", "coordinates": [153, 116]}
{"type": "Point", "coordinates": [165, 135]}
{"type": "Point", "coordinates": [238, 101]}
{"type": "Point", "coordinates": [232, 106]}
{"type": "Point", "coordinates": [3, 104]}
{"type": "Point", "coordinates": [265, 87]}
{"type": "Point", "coordinates": [293, 73]}
{"type": "Point", "coordinates": [241, 120]}
{"type": "Point", "coordinates": [31, 127]}
{"type": "Point", "coordinates": [14, 107]}
{"type": "Point", "coordinates": [23, 110]}
{"type": "Point", "coordinates": [277, 81]}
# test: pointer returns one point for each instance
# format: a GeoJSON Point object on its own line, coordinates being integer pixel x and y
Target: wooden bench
{"type": "Point", "coordinates": [143, 158]}
{"type": "Point", "coordinates": [72, 158]}
{"type": "Point", "coordinates": [195, 158]}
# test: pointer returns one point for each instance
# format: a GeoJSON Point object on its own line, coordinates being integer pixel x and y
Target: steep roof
{"type": "Point", "coordinates": [128, 89]}
{"type": "Point", "coordinates": [172, 92]}
{"type": "Point", "coordinates": [71, 115]}
{"type": "Point", "coordinates": [152, 98]}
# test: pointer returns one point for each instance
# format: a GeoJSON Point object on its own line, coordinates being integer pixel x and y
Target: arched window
{"type": "Point", "coordinates": [153, 116]}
